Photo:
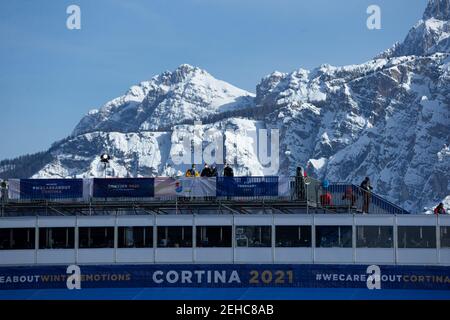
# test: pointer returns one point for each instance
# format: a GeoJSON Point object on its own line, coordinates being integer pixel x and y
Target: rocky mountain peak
{"type": "Point", "coordinates": [430, 35]}
{"type": "Point", "coordinates": [187, 93]}
{"type": "Point", "coordinates": [182, 74]}
{"type": "Point", "coordinates": [437, 9]}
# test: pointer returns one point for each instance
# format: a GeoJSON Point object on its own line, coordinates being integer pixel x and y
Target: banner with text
{"type": "Point", "coordinates": [123, 188]}
{"type": "Point", "coordinates": [247, 186]}
{"type": "Point", "coordinates": [45, 189]}
{"type": "Point", "coordinates": [226, 276]}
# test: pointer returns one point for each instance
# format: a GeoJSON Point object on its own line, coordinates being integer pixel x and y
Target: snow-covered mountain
{"type": "Point", "coordinates": [431, 34]}
{"type": "Point", "coordinates": [188, 93]}
{"type": "Point", "coordinates": [388, 118]}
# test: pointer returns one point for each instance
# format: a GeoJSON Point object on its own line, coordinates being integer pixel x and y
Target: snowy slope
{"type": "Point", "coordinates": [152, 153]}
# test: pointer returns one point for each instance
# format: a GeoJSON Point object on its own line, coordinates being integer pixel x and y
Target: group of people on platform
{"type": "Point", "coordinates": [349, 195]}
{"type": "Point", "coordinates": [208, 171]}
{"type": "Point", "coordinates": [301, 181]}
{"type": "Point", "coordinates": [326, 199]}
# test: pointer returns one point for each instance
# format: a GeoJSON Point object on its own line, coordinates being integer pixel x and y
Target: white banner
{"type": "Point", "coordinates": [185, 187]}
{"type": "Point", "coordinates": [14, 189]}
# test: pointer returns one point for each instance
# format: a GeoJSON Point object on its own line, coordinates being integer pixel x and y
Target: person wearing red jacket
{"type": "Point", "coordinates": [325, 199]}
{"type": "Point", "coordinates": [439, 209]}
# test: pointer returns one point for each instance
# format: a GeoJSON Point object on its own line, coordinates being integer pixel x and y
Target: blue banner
{"type": "Point", "coordinates": [51, 189]}
{"type": "Point", "coordinates": [247, 186]}
{"type": "Point", "coordinates": [229, 276]}
{"type": "Point", "coordinates": [124, 187]}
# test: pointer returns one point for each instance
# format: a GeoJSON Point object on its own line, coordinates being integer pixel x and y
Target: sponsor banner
{"type": "Point", "coordinates": [123, 188]}
{"type": "Point", "coordinates": [185, 187]}
{"type": "Point", "coordinates": [247, 186]}
{"type": "Point", "coordinates": [228, 276]}
{"type": "Point", "coordinates": [45, 189]}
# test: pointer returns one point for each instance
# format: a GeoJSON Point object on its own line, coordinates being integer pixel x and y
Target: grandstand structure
{"type": "Point", "coordinates": [239, 222]}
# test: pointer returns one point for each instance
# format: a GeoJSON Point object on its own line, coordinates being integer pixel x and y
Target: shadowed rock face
{"type": "Point", "coordinates": [438, 9]}
{"type": "Point", "coordinates": [430, 35]}
{"type": "Point", "coordinates": [388, 119]}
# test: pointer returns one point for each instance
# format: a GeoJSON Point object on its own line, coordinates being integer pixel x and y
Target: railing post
{"type": "Point", "coordinates": [395, 240]}
{"type": "Point", "coordinates": [116, 238]}
{"type": "Point", "coordinates": [194, 238]}
{"type": "Point", "coordinates": [3, 197]}
{"type": "Point", "coordinates": [77, 240]}
{"type": "Point", "coordinates": [306, 198]}
{"type": "Point", "coordinates": [438, 239]}
{"type": "Point", "coordinates": [233, 237]}
{"type": "Point", "coordinates": [155, 236]}
{"type": "Point", "coordinates": [36, 240]}
{"type": "Point", "coordinates": [273, 231]}
{"type": "Point", "coordinates": [313, 240]}
{"type": "Point", "coordinates": [354, 235]}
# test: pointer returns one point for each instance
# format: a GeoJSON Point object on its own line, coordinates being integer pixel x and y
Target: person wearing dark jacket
{"type": "Point", "coordinates": [228, 171]}
{"type": "Point", "coordinates": [366, 188]}
{"type": "Point", "coordinates": [206, 172]}
{"type": "Point", "coordinates": [300, 183]}
{"type": "Point", "coordinates": [439, 209]}
{"type": "Point", "coordinates": [3, 191]}
{"type": "Point", "coordinates": [213, 171]}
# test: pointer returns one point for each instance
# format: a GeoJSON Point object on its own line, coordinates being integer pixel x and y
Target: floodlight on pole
{"type": "Point", "coordinates": [104, 158]}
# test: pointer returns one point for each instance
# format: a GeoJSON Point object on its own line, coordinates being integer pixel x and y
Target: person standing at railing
{"type": "Point", "coordinates": [214, 172]}
{"type": "Point", "coordinates": [300, 183]}
{"type": "Point", "coordinates": [366, 188]}
{"type": "Point", "coordinates": [325, 197]}
{"type": "Point", "coordinates": [228, 172]}
{"type": "Point", "coordinates": [206, 172]}
{"type": "Point", "coordinates": [439, 209]}
{"type": "Point", "coordinates": [3, 191]}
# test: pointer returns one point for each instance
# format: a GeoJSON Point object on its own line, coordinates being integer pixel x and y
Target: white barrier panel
{"type": "Point", "coordinates": [166, 186]}
{"type": "Point", "coordinates": [87, 189]}
{"type": "Point", "coordinates": [283, 186]}
{"type": "Point", "coordinates": [14, 189]}
{"type": "Point", "coordinates": [185, 187]}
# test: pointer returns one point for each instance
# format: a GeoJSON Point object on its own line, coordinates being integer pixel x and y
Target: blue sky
{"type": "Point", "coordinates": [51, 76]}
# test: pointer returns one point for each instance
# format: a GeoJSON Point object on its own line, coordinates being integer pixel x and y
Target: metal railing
{"type": "Point", "coordinates": [305, 192]}
{"type": "Point", "coordinates": [351, 198]}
